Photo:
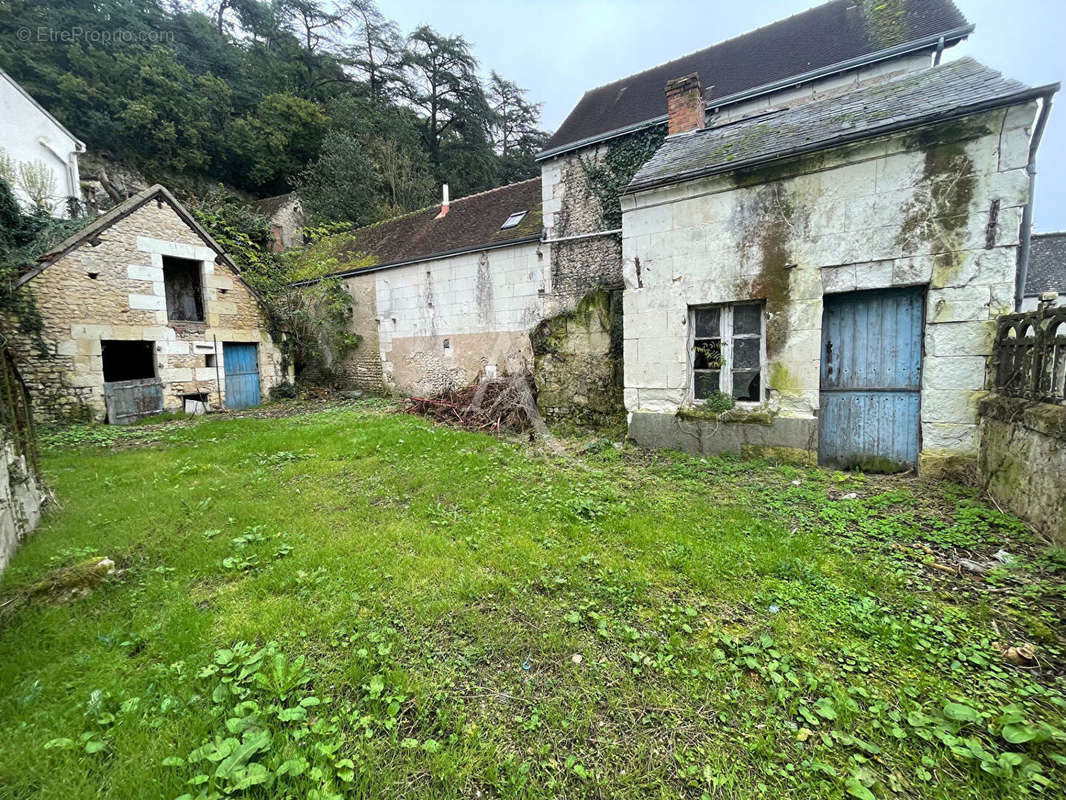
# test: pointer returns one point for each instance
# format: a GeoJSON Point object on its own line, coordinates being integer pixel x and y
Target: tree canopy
{"type": "Point", "coordinates": [265, 96]}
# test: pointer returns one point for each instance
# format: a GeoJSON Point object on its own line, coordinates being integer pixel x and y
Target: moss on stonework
{"type": "Point", "coordinates": [767, 219]}
{"type": "Point", "coordinates": [939, 213]}
{"type": "Point", "coordinates": [780, 455]}
{"type": "Point", "coordinates": [948, 465]}
{"type": "Point", "coordinates": [885, 22]}
{"type": "Point", "coordinates": [783, 381]}
{"type": "Point", "coordinates": [577, 361]}
{"type": "Point", "coordinates": [753, 416]}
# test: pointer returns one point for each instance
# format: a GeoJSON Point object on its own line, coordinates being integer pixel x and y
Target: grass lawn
{"type": "Point", "coordinates": [354, 603]}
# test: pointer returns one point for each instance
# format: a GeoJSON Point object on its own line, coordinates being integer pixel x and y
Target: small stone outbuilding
{"type": "Point", "coordinates": [830, 267]}
{"type": "Point", "coordinates": [143, 312]}
{"type": "Point", "coordinates": [286, 218]}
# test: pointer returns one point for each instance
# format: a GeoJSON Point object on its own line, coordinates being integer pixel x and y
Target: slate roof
{"type": "Point", "coordinates": [1047, 264]}
{"type": "Point", "coordinates": [472, 222]}
{"type": "Point", "coordinates": [947, 91]}
{"type": "Point", "coordinates": [836, 35]}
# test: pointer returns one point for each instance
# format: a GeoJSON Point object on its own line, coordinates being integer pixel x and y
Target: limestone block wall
{"type": "Point", "coordinates": [1023, 459]}
{"type": "Point", "coordinates": [20, 500]}
{"type": "Point", "coordinates": [939, 208]}
{"type": "Point", "coordinates": [444, 322]}
{"type": "Point", "coordinates": [115, 290]}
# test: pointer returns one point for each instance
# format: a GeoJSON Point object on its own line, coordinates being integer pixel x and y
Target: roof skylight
{"type": "Point", "coordinates": [513, 220]}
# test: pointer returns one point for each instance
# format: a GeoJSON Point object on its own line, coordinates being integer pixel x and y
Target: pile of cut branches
{"type": "Point", "coordinates": [495, 405]}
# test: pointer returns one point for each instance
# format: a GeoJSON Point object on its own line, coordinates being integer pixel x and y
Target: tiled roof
{"type": "Point", "coordinates": [97, 226]}
{"type": "Point", "coordinates": [471, 222]}
{"type": "Point", "coordinates": [1047, 264]}
{"type": "Point", "coordinates": [947, 91]}
{"type": "Point", "coordinates": [835, 33]}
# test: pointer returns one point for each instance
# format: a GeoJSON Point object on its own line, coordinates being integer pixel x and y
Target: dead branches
{"type": "Point", "coordinates": [496, 405]}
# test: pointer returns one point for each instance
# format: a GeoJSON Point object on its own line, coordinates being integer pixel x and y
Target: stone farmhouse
{"type": "Point", "coordinates": [822, 221]}
{"type": "Point", "coordinates": [41, 153]}
{"type": "Point", "coordinates": [143, 312]}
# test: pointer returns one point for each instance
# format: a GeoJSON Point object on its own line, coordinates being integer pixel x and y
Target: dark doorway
{"type": "Point", "coordinates": [185, 298]}
{"type": "Point", "coordinates": [127, 360]}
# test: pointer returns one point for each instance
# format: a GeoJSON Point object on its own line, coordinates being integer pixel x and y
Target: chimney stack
{"type": "Point", "coordinates": [443, 202]}
{"type": "Point", "coordinates": [684, 104]}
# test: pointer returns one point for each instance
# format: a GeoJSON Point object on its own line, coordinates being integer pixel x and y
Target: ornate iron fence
{"type": "Point", "coordinates": [1029, 357]}
{"type": "Point", "coordinates": [16, 415]}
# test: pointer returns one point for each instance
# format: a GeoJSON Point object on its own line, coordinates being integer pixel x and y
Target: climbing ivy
{"type": "Point", "coordinates": [607, 175]}
{"type": "Point", "coordinates": [310, 323]}
{"type": "Point", "coordinates": [23, 237]}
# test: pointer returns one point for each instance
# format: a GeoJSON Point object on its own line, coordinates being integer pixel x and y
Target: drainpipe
{"type": "Point", "coordinates": [581, 236]}
{"type": "Point", "coordinates": [939, 51]}
{"type": "Point", "coordinates": [1022, 272]}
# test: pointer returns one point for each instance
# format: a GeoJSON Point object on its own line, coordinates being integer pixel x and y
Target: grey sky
{"type": "Point", "coordinates": [559, 48]}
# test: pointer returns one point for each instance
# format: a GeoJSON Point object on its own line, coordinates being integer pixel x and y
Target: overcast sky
{"type": "Point", "coordinates": [559, 48]}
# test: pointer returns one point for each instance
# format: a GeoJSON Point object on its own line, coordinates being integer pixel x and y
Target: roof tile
{"type": "Point", "coordinates": [908, 101]}
{"type": "Point", "coordinates": [828, 34]}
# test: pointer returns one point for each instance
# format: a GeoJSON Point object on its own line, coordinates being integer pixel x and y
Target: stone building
{"type": "Point", "coordinates": [142, 312]}
{"type": "Point", "coordinates": [466, 290]}
{"type": "Point", "coordinates": [831, 267]}
{"type": "Point", "coordinates": [832, 171]}
{"type": "Point", "coordinates": [286, 218]}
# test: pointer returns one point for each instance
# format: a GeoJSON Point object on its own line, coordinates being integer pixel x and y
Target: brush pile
{"type": "Point", "coordinates": [496, 405]}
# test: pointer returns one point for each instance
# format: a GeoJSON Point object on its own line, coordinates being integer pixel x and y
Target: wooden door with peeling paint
{"type": "Point", "coordinates": [871, 373]}
{"type": "Point", "coordinates": [241, 362]}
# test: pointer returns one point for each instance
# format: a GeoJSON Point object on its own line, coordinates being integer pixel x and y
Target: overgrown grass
{"type": "Point", "coordinates": [357, 604]}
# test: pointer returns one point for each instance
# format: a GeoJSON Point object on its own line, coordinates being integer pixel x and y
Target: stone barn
{"type": "Point", "coordinates": [143, 312]}
{"type": "Point", "coordinates": [469, 290]}
{"type": "Point", "coordinates": [818, 278]}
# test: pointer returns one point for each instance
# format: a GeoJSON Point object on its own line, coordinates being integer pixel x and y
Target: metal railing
{"type": "Point", "coordinates": [1029, 355]}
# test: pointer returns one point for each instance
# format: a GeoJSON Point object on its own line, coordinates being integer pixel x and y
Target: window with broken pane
{"type": "Point", "coordinates": [727, 352]}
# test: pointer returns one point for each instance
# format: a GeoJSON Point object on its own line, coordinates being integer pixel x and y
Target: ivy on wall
{"type": "Point", "coordinates": [607, 174]}
{"type": "Point", "coordinates": [310, 323]}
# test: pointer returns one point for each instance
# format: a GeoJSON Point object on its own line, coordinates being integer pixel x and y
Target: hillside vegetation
{"type": "Point", "coordinates": [268, 95]}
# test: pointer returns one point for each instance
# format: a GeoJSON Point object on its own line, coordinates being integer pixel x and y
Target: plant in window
{"type": "Point", "coordinates": [727, 352]}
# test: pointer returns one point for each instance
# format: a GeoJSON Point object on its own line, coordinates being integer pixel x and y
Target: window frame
{"type": "Point", "coordinates": [726, 337]}
{"type": "Point", "coordinates": [201, 282]}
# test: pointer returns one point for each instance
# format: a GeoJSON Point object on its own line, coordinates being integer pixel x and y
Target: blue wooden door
{"type": "Point", "coordinates": [242, 374]}
{"type": "Point", "coordinates": [871, 380]}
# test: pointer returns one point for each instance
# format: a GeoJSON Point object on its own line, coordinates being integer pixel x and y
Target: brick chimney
{"type": "Point", "coordinates": [684, 104]}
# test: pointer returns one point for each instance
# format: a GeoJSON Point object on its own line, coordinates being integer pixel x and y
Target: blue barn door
{"type": "Point", "coordinates": [871, 380]}
{"type": "Point", "coordinates": [242, 374]}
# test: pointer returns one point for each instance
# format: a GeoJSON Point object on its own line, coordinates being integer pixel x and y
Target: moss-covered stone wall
{"type": "Point", "coordinates": [1023, 460]}
{"type": "Point", "coordinates": [577, 361]}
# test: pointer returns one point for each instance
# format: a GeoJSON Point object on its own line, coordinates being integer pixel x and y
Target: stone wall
{"type": "Point", "coordinates": [570, 209]}
{"type": "Point", "coordinates": [1023, 460]}
{"type": "Point", "coordinates": [20, 500]}
{"type": "Point", "coordinates": [363, 365]}
{"type": "Point", "coordinates": [444, 322]}
{"type": "Point", "coordinates": [939, 208]}
{"type": "Point", "coordinates": [115, 291]}
{"type": "Point", "coordinates": [577, 358]}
